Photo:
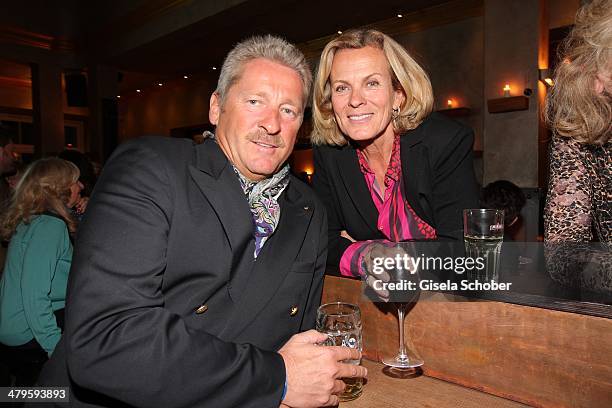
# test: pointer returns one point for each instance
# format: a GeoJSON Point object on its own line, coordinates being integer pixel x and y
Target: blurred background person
{"type": "Point", "coordinates": [385, 166]}
{"type": "Point", "coordinates": [86, 168]}
{"type": "Point", "coordinates": [7, 166]}
{"type": "Point", "coordinates": [579, 112]}
{"type": "Point", "coordinates": [507, 196]}
{"type": "Point", "coordinates": [33, 286]}
{"type": "Point", "coordinates": [13, 178]}
{"type": "Point", "coordinates": [87, 178]}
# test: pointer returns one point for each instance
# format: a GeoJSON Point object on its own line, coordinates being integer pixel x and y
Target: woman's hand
{"type": "Point", "coordinates": [373, 255]}
{"type": "Point", "coordinates": [346, 235]}
{"type": "Point", "coordinates": [81, 205]}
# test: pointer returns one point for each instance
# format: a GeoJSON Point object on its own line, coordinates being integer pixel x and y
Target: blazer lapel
{"type": "Point", "coordinates": [220, 186]}
{"type": "Point", "coordinates": [274, 261]}
{"type": "Point", "coordinates": [356, 187]}
{"type": "Point", "coordinates": [413, 165]}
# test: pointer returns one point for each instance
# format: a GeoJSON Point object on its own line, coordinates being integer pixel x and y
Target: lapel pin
{"type": "Point", "coordinates": [294, 310]}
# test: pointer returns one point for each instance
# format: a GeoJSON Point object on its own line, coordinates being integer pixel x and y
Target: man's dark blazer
{"type": "Point", "coordinates": [438, 183]}
{"type": "Point", "coordinates": [166, 305]}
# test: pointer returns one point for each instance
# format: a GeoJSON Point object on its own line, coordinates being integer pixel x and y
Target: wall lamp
{"type": "Point", "coordinates": [544, 75]}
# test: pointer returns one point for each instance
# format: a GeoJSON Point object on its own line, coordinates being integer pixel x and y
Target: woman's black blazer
{"type": "Point", "coordinates": [438, 183]}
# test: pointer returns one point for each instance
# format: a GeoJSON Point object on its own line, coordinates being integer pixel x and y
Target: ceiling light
{"type": "Point", "coordinates": [214, 68]}
{"type": "Point", "coordinates": [185, 76]}
{"type": "Point", "coordinates": [339, 32]}
{"type": "Point", "coordinates": [138, 90]}
{"type": "Point", "coordinates": [400, 15]}
{"type": "Point", "coordinates": [159, 84]}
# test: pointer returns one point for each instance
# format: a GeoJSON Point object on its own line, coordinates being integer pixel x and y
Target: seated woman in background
{"type": "Point", "coordinates": [507, 196]}
{"type": "Point", "coordinates": [385, 166]}
{"type": "Point", "coordinates": [579, 112]}
{"type": "Point", "coordinates": [33, 286]}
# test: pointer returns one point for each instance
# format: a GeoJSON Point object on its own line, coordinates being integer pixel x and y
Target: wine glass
{"type": "Point", "coordinates": [402, 299]}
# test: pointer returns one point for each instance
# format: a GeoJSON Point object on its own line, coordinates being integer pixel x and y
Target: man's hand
{"type": "Point", "coordinates": [314, 372]}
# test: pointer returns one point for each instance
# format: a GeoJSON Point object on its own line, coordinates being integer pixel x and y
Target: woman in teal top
{"type": "Point", "coordinates": [33, 284]}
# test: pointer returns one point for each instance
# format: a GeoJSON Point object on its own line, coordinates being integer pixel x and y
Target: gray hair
{"type": "Point", "coordinates": [269, 47]}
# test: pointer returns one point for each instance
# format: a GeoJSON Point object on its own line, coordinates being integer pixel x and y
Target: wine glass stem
{"type": "Point", "coordinates": [401, 315]}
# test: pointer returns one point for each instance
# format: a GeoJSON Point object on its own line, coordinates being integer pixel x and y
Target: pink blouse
{"type": "Point", "coordinates": [396, 219]}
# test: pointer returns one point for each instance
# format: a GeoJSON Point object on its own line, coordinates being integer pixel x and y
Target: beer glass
{"type": "Point", "coordinates": [342, 324]}
{"type": "Point", "coordinates": [483, 234]}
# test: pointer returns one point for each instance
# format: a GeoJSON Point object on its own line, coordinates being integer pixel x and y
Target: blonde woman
{"type": "Point", "coordinates": [579, 112]}
{"type": "Point", "coordinates": [33, 286]}
{"type": "Point", "coordinates": [385, 166]}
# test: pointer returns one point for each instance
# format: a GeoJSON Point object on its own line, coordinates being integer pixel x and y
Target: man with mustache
{"type": "Point", "coordinates": [197, 265]}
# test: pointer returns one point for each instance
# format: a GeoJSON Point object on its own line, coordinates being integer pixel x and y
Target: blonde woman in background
{"type": "Point", "coordinates": [579, 112]}
{"type": "Point", "coordinates": [38, 223]}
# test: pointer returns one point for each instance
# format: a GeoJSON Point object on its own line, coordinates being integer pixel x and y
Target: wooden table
{"type": "Point", "coordinates": [507, 350]}
{"type": "Point", "coordinates": [384, 391]}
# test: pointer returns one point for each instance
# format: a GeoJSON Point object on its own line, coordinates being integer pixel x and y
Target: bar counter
{"type": "Point", "coordinates": [383, 390]}
{"type": "Point", "coordinates": [483, 353]}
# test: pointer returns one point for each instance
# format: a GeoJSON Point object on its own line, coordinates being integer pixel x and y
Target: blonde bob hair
{"type": "Point", "coordinates": [406, 75]}
{"type": "Point", "coordinates": [573, 107]}
{"type": "Point", "coordinates": [45, 186]}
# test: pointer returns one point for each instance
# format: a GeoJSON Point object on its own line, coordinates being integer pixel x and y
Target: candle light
{"type": "Point", "coordinates": [308, 172]}
{"type": "Point", "coordinates": [449, 104]}
{"type": "Point", "coordinates": [507, 90]}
